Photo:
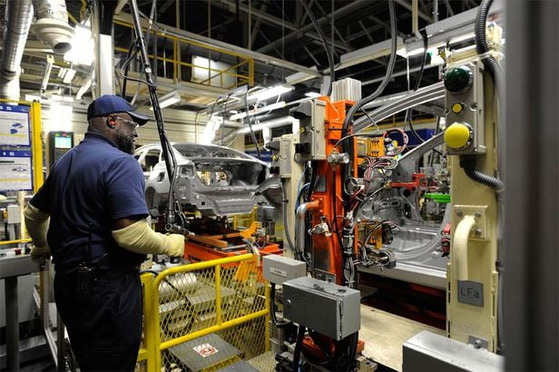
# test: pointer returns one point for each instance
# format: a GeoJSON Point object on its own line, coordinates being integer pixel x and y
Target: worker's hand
{"type": "Point", "coordinates": [40, 252]}
{"type": "Point", "coordinates": [174, 245]}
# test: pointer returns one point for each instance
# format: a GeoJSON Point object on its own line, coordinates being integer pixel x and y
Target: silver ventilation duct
{"type": "Point", "coordinates": [52, 25]}
{"type": "Point", "coordinates": [19, 14]}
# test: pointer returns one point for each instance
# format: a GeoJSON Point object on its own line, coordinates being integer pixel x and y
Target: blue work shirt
{"type": "Point", "coordinates": [90, 187]}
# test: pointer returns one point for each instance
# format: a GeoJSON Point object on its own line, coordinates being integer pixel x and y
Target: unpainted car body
{"type": "Point", "coordinates": [213, 180]}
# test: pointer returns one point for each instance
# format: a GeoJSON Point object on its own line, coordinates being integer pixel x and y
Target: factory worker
{"type": "Point", "coordinates": [91, 214]}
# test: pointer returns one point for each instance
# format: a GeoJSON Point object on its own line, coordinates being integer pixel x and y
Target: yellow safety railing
{"type": "Point", "coordinates": [225, 298]}
{"type": "Point", "coordinates": [176, 58]}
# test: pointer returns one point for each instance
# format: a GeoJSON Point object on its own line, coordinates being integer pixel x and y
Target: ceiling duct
{"type": "Point", "coordinates": [52, 25]}
{"type": "Point", "coordinates": [19, 14]}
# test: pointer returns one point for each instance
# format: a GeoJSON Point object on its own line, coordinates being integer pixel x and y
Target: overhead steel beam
{"type": "Point", "coordinates": [304, 30]}
{"type": "Point", "coordinates": [311, 55]}
{"type": "Point", "coordinates": [276, 21]}
{"type": "Point", "coordinates": [366, 32]}
{"type": "Point", "coordinates": [448, 8]}
{"type": "Point", "coordinates": [333, 25]}
{"type": "Point", "coordinates": [262, 58]}
{"type": "Point", "coordinates": [257, 25]}
{"type": "Point", "coordinates": [408, 6]}
{"type": "Point", "coordinates": [165, 6]}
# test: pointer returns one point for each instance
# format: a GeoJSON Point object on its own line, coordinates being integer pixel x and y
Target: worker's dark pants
{"type": "Point", "coordinates": [105, 330]}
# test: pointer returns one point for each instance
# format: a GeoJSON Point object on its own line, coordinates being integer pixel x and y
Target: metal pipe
{"type": "Point", "coordinates": [421, 96]}
{"type": "Point", "coordinates": [19, 14]}
{"type": "Point", "coordinates": [301, 214]}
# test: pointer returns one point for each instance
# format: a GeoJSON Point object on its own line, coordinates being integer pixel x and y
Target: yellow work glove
{"type": "Point", "coordinates": [140, 238]}
{"type": "Point", "coordinates": [175, 245]}
{"type": "Point", "coordinates": [38, 252]}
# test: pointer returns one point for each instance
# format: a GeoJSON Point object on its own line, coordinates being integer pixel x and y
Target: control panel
{"type": "Point", "coordinates": [312, 131]}
{"type": "Point", "coordinates": [464, 99]}
{"type": "Point", "coordinates": [58, 144]}
{"type": "Point", "coordinates": [283, 151]}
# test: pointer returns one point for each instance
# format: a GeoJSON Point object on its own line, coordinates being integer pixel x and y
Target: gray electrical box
{"type": "Point", "coordinates": [312, 131]}
{"type": "Point", "coordinates": [283, 154]}
{"type": "Point", "coordinates": [326, 308]}
{"type": "Point", "coordinates": [278, 269]}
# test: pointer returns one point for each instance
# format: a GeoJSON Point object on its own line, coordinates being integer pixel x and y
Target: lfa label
{"type": "Point", "coordinates": [470, 293]}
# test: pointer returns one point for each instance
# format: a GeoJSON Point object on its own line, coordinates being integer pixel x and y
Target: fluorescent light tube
{"type": "Point", "coordinates": [270, 92]}
{"type": "Point", "coordinates": [273, 106]}
{"type": "Point", "coordinates": [168, 99]}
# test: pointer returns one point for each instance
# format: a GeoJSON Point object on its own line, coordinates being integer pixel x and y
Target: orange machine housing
{"type": "Point", "coordinates": [327, 250]}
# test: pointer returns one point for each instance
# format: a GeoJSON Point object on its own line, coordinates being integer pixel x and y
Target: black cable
{"type": "Point", "coordinates": [312, 182]}
{"type": "Point", "coordinates": [423, 59]}
{"type": "Point", "coordinates": [468, 163]}
{"type": "Point", "coordinates": [386, 78]}
{"type": "Point", "coordinates": [482, 47]}
{"type": "Point", "coordinates": [418, 83]}
{"type": "Point", "coordinates": [252, 135]}
{"type": "Point", "coordinates": [437, 128]}
{"type": "Point", "coordinates": [273, 308]}
{"type": "Point", "coordinates": [412, 129]}
{"type": "Point", "coordinates": [168, 152]}
{"type": "Point", "coordinates": [370, 118]}
{"type": "Point", "coordinates": [298, 344]}
{"type": "Point", "coordinates": [329, 55]}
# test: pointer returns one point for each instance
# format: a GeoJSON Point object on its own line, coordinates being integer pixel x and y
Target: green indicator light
{"type": "Point", "coordinates": [458, 79]}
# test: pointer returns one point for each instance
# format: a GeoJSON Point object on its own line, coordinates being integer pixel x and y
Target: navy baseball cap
{"type": "Point", "coordinates": [111, 104]}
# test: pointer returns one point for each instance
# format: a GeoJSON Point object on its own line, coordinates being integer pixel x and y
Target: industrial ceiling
{"type": "Point", "coordinates": [277, 34]}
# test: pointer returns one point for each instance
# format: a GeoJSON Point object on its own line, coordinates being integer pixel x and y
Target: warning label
{"type": "Point", "coordinates": [205, 350]}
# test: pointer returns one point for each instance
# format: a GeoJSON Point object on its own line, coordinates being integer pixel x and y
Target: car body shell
{"type": "Point", "coordinates": [212, 180]}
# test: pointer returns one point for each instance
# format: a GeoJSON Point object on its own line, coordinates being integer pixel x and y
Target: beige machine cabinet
{"type": "Point", "coordinates": [472, 276]}
{"type": "Point", "coordinates": [290, 173]}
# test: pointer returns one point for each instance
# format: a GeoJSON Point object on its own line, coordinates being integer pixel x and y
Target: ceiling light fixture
{"type": "Point", "coordinates": [313, 94]}
{"type": "Point", "coordinates": [270, 92]}
{"type": "Point", "coordinates": [169, 99]}
{"type": "Point", "coordinates": [273, 106]}
{"type": "Point", "coordinates": [82, 45]}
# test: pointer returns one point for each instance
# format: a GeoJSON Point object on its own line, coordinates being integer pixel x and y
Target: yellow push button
{"type": "Point", "coordinates": [457, 135]}
{"type": "Point", "coordinates": [457, 108]}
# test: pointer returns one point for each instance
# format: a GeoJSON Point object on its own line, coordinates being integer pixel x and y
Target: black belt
{"type": "Point", "coordinates": [101, 270]}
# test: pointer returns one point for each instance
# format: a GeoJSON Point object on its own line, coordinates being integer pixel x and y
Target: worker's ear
{"type": "Point", "coordinates": [111, 121]}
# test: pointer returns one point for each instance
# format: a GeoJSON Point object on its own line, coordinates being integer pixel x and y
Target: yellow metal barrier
{"type": "Point", "coordinates": [220, 304]}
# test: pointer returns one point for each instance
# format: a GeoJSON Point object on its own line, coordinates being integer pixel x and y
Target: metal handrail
{"type": "Point", "coordinates": [176, 41]}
